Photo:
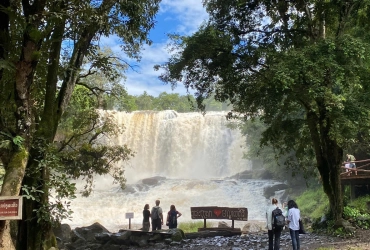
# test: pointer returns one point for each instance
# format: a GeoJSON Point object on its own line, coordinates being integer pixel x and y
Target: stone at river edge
{"type": "Point", "coordinates": [251, 239]}
{"type": "Point", "coordinates": [97, 236]}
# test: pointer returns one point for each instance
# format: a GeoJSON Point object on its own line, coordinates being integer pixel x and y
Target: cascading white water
{"type": "Point", "coordinates": [181, 145]}
{"type": "Point", "coordinates": [193, 152]}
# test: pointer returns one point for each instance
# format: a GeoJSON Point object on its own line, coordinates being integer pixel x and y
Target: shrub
{"type": "Point", "coordinates": [313, 203]}
{"type": "Point", "coordinates": [191, 227]}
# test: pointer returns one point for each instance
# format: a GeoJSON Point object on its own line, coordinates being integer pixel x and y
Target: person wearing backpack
{"type": "Point", "coordinates": [294, 215]}
{"type": "Point", "coordinates": [157, 216]}
{"type": "Point", "coordinates": [274, 231]}
{"type": "Point", "coordinates": [172, 216]}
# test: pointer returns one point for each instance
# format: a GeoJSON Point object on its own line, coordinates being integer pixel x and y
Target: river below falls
{"type": "Point", "coordinates": [108, 204]}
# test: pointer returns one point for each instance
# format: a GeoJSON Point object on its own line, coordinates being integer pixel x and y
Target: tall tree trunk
{"type": "Point", "coordinates": [4, 32]}
{"type": "Point", "coordinates": [15, 170]}
{"type": "Point", "coordinates": [328, 160]}
{"type": "Point", "coordinates": [35, 230]}
{"type": "Point", "coordinates": [330, 174]}
{"type": "Point", "coordinates": [25, 68]}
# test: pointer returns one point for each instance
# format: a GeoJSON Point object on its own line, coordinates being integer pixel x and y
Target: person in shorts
{"type": "Point", "coordinates": [350, 160]}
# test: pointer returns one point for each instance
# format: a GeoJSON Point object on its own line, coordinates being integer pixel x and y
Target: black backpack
{"type": "Point", "coordinates": [172, 218]}
{"type": "Point", "coordinates": [278, 219]}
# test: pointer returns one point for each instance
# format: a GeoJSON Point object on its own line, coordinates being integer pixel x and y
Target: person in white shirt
{"type": "Point", "coordinates": [273, 231]}
{"type": "Point", "coordinates": [294, 215]}
{"type": "Point", "coordinates": [157, 216]}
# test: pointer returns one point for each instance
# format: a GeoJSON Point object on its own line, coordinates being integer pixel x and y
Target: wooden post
{"type": "Point", "coordinates": [353, 194]}
{"type": "Point", "coordinates": [232, 224]}
{"type": "Point", "coordinates": [129, 216]}
{"type": "Point", "coordinates": [343, 189]}
{"type": "Point", "coordinates": [205, 224]}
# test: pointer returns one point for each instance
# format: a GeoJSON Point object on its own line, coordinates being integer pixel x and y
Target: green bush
{"type": "Point", "coordinates": [357, 217]}
{"type": "Point", "coordinates": [313, 203]}
{"type": "Point", "coordinates": [361, 203]}
{"type": "Point", "coordinates": [191, 227]}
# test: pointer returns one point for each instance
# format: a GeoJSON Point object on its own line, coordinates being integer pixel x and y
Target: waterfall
{"type": "Point", "coordinates": [181, 145]}
{"type": "Point", "coordinates": [192, 153]}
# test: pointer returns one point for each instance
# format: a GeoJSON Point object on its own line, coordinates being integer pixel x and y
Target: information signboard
{"type": "Point", "coordinates": [10, 207]}
{"type": "Point", "coordinates": [129, 215]}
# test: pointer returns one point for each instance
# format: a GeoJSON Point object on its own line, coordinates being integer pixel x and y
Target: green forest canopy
{"type": "Point", "coordinates": [164, 101]}
{"type": "Point", "coordinates": [301, 67]}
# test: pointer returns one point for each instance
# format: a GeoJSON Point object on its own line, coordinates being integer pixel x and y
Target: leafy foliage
{"type": "Point", "coordinates": [296, 170]}
{"type": "Point", "coordinates": [43, 47]}
{"type": "Point", "coordinates": [191, 227]}
{"type": "Point", "coordinates": [164, 101]}
{"type": "Point", "coordinates": [300, 67]}
{"type": "Point", "coordinates": [313, 203]}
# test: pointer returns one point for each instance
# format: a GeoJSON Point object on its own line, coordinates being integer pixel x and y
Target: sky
{"type": "Point", "coordinates": [175, 16]}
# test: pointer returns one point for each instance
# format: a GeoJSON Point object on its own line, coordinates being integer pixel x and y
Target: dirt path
{"type": "Point", "coordinates": [360, 241]}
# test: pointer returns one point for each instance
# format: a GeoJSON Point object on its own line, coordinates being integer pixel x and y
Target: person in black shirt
{"type": "Point", "coordinates": [146, 216]}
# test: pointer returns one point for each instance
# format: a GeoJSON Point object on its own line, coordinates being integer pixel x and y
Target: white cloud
{"type": "Point", "coordinates": [190, 13]}
{"type": "Point", "coordinates": [146, 78]}
{"type": "Point", "coordinates": [186, 17]}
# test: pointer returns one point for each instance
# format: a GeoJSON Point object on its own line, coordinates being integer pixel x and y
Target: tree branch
{"type": "Point", "coordinates": [94, 90]}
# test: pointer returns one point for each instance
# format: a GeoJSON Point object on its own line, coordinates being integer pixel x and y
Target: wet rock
{"type": "Point", "coordinates": [252, 227]}
{"type": "Point", "coordinates": [129, 189]}
{"type": "Point", "coordinates": [223, 224]}
{"type": "Point", "coordinates": [152, 181]}
{"type": "Point", "coordinates": [177, 234]}
{"type": "Point", "coordinates": [88, 233]}
{"type": "Point", "coordinates": [63, 231]}
{"type": "Point", "coordinates": [121, 237]}
{"type": "Point", "coordinates": [247, 174]}
{"type": "Point", "coordinates": [270, 191]}
{"type": "Point", "coordinates": [103, 237]}
{"type": "Point", "coordinates": [75, 236]}
{"type": "Point", "coordinates": [140, 240]}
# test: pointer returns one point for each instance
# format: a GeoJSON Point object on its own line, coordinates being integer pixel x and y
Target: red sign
{"type": "Point", "coordinates": [10, 208]}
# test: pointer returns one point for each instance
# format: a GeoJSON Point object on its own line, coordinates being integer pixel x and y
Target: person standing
{"type": "Point", "coordinates": [273, 232]}
{"type": "Point", "coordinates": [351, 159]}
{"type": "Point", "coordinates": [157, 216]}
{"type": "Point", "coordinates": [294, 215]}
{"type": "Point", "coordinates": [285, 209]}
{"type": "Point", "coordinates": [172, 216]}
{"type": "Point", "coordinates": [146, 215]}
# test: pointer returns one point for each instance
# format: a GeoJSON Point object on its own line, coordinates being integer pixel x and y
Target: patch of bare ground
{"type": "Point", "coordinates": [360, 241]}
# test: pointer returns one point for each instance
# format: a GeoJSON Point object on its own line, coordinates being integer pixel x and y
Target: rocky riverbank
{"type": "Point", "coordinates": [253, 238]}
{"type": "Point", "coordinates": [258, 241]}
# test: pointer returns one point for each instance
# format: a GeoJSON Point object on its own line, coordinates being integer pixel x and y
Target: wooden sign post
{"type": "Point", "coordinates": [220, 213]}
{"type": "Point", "coordinates": [129, 216]}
